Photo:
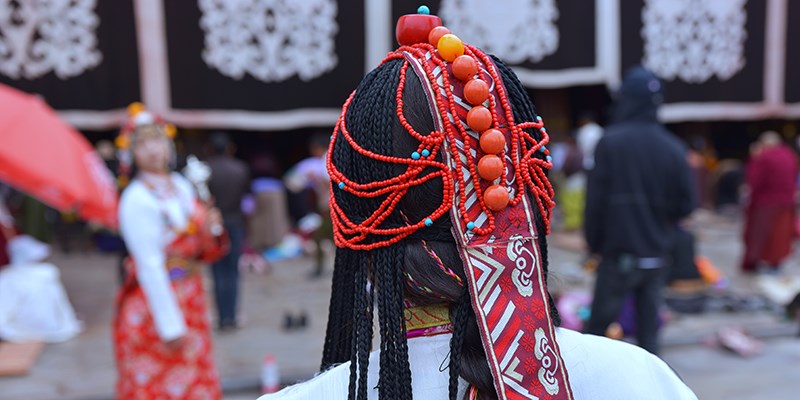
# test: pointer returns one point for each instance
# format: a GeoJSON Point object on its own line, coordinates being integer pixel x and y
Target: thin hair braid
{"type": "Point", "coordinates": [458, 319]}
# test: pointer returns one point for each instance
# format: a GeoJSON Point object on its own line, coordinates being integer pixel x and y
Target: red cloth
{"type": "Point", "coordinates": [772, 177]}
{"type": "Point", "coordinates": [147, 368]}
{"type": "Point", "coordinates": [769, 229]}
{"type": "Point", "coordinates": [768, 235]}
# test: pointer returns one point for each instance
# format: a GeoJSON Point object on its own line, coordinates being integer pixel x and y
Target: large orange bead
{"type": "Point", "coordinates": [436, 34]}
{"type": "Point", "coordinates": [496, 197]}
{"type": "Point", "coordinates": [450, 47]}
{"type": "Point", "coordinates": [464, 67]}
{"type": "Point", "coordinates": [490, 167]}
{"type": "Point", "coordinates": [493, 141]}
{"type": "Point", "coordinates": [476, 91]}
{"type": "Point", "coordinates": [414, 28]}
{"type": "Point", "coordinates": [479, 118]}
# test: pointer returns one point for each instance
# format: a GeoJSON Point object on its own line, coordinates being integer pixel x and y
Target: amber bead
{"type": "Point", "coordinates": [450, 47]}
{"type": "Point", "coordinates": [490, 167]}
{"type": "Point", "coordinates": [492, 141]}
{"type": "Point", "coordinates": [496, 197]}
{"type": "Point", "coordinates": [479, 118]}
{"type": "Point", "coordinates": [464, 67]}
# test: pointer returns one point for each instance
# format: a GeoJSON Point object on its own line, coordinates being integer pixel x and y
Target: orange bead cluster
{"type": "Point", "coordinates": [464, 64]}
{"type": "Point", "coordinates": [480, 119]}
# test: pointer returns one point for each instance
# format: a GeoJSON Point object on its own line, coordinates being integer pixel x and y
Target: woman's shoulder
{"type": "Point", "coordinates": [599, 367]}
{"type": "Point", "coordinates": [331, 384]}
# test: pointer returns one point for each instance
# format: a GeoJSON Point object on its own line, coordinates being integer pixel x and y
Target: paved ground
{"type": "Point", "coordinates": [83, 367]}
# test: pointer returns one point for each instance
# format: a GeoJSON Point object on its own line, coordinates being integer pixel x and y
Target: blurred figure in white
{"type": "Point", "coordinates": [33, 304]}
{"type": "Point", "coordinates": [589, 133]}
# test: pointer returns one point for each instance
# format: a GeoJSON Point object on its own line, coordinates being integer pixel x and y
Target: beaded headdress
{"type": "Point", "coordinates": [138, 117]}
{"type": "Point", "coordinates": [491, 166]}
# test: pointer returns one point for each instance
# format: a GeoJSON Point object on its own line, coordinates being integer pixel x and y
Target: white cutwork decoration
{"type": "Point", "coordinates": [693, 40]}
{"type": "Point", "coordinates": [43, 36]}
{"type": "Point", "coordinates": [547, 372]}
{"type": "Point", "coordinates": [524, 263]}
{"type": "Point", "coordinates": [519, 31]}
{"type": "Point", "coordinates": [272, 40]}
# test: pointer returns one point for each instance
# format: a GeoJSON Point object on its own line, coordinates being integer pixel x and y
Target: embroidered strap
{"type": "Point", "coordinates": [503, 265]}
{"type": "Point", "coordinates": [427, 320]}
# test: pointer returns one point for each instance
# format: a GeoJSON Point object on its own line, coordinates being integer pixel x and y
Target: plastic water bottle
{"type": "Point", "coordinates": [270, 378]}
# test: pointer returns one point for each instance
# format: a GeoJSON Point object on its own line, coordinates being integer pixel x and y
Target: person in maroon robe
{"type": "Point", "coordinates": [772, 180]}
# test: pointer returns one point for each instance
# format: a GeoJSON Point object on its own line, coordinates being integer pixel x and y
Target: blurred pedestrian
{"type": "Point", "coordinates": [310, 173]}
{"type": "Point", "coordinates": [771, 177]}
{"type": "Point", "coordinates": [161, 330]}
{"type": "Point", "coordinates": [230, 181]}
{"type": "Point", "coordinates": [457, 272]}
{"type": "Point", "coordinates": [638, 191]}
{"type": "Point", "coordinates": [589, 133]}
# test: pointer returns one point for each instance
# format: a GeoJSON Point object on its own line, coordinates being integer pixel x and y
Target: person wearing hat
{"type": "Point", "coordinates": [162, 339]}
{"type": "Point", "coordinates": [440, 206]}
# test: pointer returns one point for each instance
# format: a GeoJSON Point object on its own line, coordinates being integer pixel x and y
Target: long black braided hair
{"type": "Point", "coordinates": [362, 278]}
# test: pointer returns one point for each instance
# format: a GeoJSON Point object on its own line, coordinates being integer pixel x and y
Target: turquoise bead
{"type": "Point", "coordinates": [423, 10]}
{"type": "Point", "coordinates": [470, 225]}
{"type": "Point", "coordinates": [428, 222]}
{"type": "Point", "coordinates": [415, 155]}
{"type": "Point", "coordinates": [341, 185]}
{"type": "Point", "coordinates": [426, 153]}
{"type": "Point", "coordinates": [549, 158]}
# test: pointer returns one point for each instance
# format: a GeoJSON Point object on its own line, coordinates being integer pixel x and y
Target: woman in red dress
{"type": "Point", "coordinates": [161, 331]}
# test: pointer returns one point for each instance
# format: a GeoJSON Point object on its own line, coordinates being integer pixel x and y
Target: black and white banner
{"type": "Point", "coordinates": [80, 56]}
{"type": "Point", "coordinates": [265, 65]}
{"type": "Point", "coordinates": [549, 43]}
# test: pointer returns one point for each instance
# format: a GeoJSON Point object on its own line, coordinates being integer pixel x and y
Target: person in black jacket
{"type": "Point", "coordinates": [638, 191]}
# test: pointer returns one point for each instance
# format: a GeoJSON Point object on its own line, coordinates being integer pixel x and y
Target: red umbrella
{"type": "Point", "coordinates": [43, 156]}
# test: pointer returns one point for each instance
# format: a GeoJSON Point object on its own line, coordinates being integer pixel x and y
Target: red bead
{"type": "Point", "coordinates": [450, 47]}
{"type": "Point", "coordinates": [496, 197]}
{"type": "Point", "coordinates": [464, 67]}
{"type": "Point", "coordinates": [414, 28]}
{"type": "Point", "coordinates": [436, 34]}
{"type": "Point", "coordinates": [476, 91]}
{"type": "Point", "coordinates": [490, 167]}
{"type": "Point", "coordinates": [492, 141]}
{"type": "Point", "coordinates": [479, 118]}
